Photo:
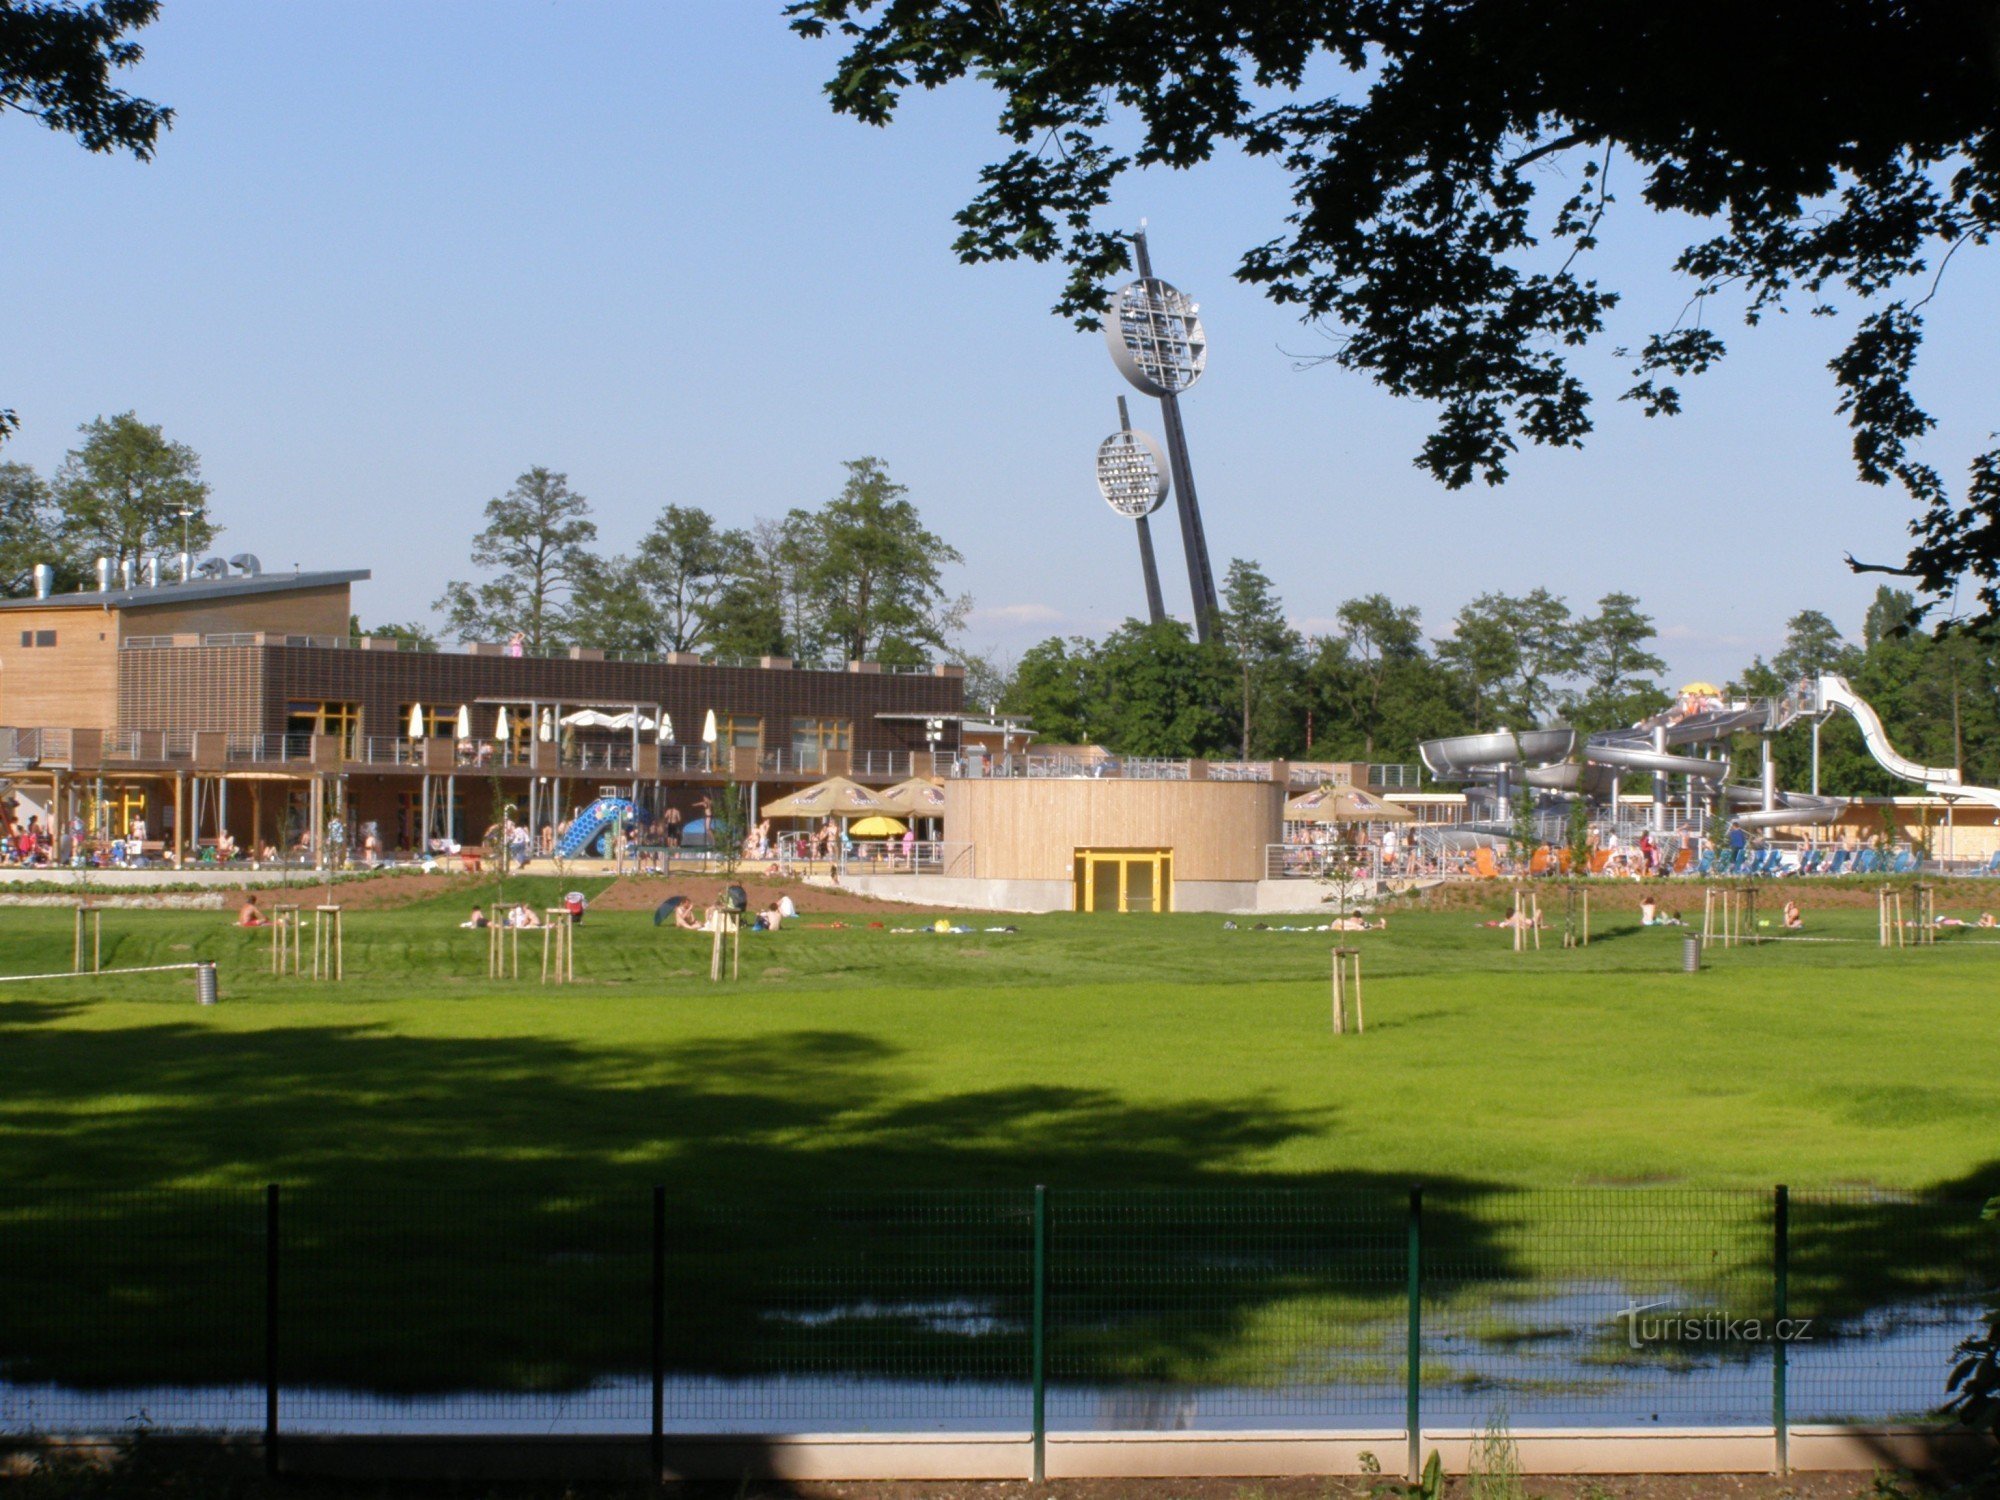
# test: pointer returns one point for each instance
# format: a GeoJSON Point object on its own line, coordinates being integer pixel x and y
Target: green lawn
{"type": "Point", "coordinates": [420, 1115]}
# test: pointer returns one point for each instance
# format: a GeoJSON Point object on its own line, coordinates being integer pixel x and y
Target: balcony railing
{"type": "Point", "coordinates": [883, 763]}
{"type": "Point", "coordinates": [269, 747]}
{"type": "Point", "coordinates": [391, 643]}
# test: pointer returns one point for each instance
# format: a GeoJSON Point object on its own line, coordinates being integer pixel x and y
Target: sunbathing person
{"type": "Point", "coordinates": [1794, 918]}
{"type": "Point", "coordinates": [252, 914]}
{"type": "Point", "coordinates": [476, 920]}
{"type": "Point", "coordinates": [686, 917]}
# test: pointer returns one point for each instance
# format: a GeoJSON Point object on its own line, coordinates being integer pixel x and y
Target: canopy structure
{"type": "Point", "coordinates": [593, 718]}
{"type": "Point", "coordinates": [836, 797]}
{"type": "Point", "coordinates": [877, 827]}
{"type": "Point", "coordinates": [1345, 804]}
{"type": "Point", "coordinates": [918, 797]}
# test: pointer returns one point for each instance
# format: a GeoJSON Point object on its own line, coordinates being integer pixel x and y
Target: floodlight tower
{"type": "Point", "coordinates": [1158, 344]}
{"type": "Point", "coordinates": [1132, 476]}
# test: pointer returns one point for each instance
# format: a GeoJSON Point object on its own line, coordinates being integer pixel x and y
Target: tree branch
{"type": "Point", "coordinates": [1856, 566]}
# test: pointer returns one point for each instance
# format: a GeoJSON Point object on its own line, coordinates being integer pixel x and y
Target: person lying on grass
{"type": "Point", "coordinates": [476, 920]}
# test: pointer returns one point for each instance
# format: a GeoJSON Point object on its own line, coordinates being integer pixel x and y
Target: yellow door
{"type": "Point", "coordinates": [1123, 880]}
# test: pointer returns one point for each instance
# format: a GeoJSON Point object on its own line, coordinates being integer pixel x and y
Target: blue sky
{"type": "Point", "coordinates": [392, 254]}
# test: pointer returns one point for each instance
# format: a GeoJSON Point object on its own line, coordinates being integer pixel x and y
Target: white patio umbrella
{"type": "Point", "coordinates": [416, 721]}
{"type": "Point", "coordinates": [500, 725]}
{"type": "Point", "coordinates": [464, 722]}
{"type": "Point", "coordinates": [666, 729]}
{"type": "Point", "coordinates": [548, 725]}
{"type": "Point", "coordinates": [708, 728]}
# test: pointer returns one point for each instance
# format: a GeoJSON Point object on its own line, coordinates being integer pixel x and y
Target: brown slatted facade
{"type": "Point", "coordinates": [245, 689]}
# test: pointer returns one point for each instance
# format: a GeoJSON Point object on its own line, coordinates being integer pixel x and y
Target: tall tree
{"type": "Point", "coordinates": [56, 62]}
{"type": "Point", "coordinates": [1834, 153]}
{"type": "Point", "coordinates": [667, 595]}
{"type": "Point", "coordinates": [1265, 649]}
{"type": "Point", "coordinates": [535, 540]}
{"type": "Point", "coordinates": [127, 492]}
{"type": "Point", "coordinates": [1380, 635]}
{"type": "Point", "coordinates": [27, 526]}
{"type": "Point", "coordinates": [1156, 691]}
{"type": "Point", "coordinates": [1485, 654]}
{"type": "Point", "coordinates": [878, 572]}
{"type": "Point", "coordinates": [1051, 689]}
{"type": "Point", "coordinates": [1813, 646]}
{"type": "Point", "coordinates": [1618, 672]}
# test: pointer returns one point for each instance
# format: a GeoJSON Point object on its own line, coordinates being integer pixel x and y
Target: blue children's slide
{"type": "Point", "coordinates": [595, 824]}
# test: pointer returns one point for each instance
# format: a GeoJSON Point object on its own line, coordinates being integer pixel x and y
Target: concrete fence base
{"type": "Point", "coordinates": [946, 1457]}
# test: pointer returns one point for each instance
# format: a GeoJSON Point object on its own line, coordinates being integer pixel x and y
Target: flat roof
{"type": "Point", "coordinates": [199, 589]}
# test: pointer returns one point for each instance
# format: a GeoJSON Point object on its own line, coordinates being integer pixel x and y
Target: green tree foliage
{"type": "Point", "coordinates": [875, 573]}
{"type": "Point", "coordinates": [1513, 653]}
{"type": "Point", "coordinates": [27, 527]}
{"type": "Point", "coordinates": [1052, 688]}
{"type": "Point", "coordinates": [1156, 690]}
{"type": "Point", "coordinates": [534, 545]}
{"type": "Point", "coordinates": [1451, 164]}
{"type": "Point", "coordinates": [56, 62]}
{"type": "Point", "coordinates": [413, 636]}
{"type": "Point", "coordinates": [120, 493]}
{"type": "Point", "coordinates": [1265, 651]}
{"type": "Point", "coordinates": [668, 595]}
{"type": "Point", "coordinates": [1618, 672]}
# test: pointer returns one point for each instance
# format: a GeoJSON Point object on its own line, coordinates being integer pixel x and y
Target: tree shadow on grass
{"type": "Point", "coordinates": [462, 1214]}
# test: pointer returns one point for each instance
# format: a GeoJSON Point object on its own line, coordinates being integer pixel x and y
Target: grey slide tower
{"type": "Point", "coordinates": [1158, 344]}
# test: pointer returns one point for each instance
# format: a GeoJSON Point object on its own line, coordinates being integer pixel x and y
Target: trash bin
{"type": "Point", "coordinates": [204, 984]}
{"type": "Point", "coordinates": [1691, 955]}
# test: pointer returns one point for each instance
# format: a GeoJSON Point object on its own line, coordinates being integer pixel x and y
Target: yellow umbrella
{"type": "Point", "coordinates": [1345, 804]}
{"type": "Point", "coordinates": [877, 827]}
{"type": "Point", "coordinates": [836, 797]}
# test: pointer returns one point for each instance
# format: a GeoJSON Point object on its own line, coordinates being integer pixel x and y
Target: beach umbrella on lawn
{"type": "Point", "coordinates": [500, 725]}
{"type": "Point", "coordinates": [464, 722]}
{"type": "Point", "coordinates": [416, 721]}
{"type": "Point", "coordinates": [664, 912]}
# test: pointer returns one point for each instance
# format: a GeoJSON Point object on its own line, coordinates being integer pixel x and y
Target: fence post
{"type": "Point", "coordinates": [1040, 1355]}
{"type": "Point", "coordinates": [659, 1432]}
{"type": "Point", "coordinates": [1413, 1395]}
{"type": "Point", "coordinates": [271, 1328]}
{"type": "Point", "coordinates": [1781, 1298]}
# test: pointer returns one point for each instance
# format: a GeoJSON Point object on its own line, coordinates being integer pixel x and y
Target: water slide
{"type": "Point", "coordinates": [594, 822]}
{"type": "Point", "coordinates": [1838, 692]}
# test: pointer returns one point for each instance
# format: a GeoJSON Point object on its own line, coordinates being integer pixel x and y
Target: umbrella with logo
{"type": "Point", "coordinates": [836, 797]}
{"type": "Point", "coordinates": [1345, 804]}
{"type": "Point", "coordinates": [918, 797]}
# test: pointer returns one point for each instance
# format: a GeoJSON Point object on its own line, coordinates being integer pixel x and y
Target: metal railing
{"type": "Point", "coordinates": [778, 1304]}
{"type": "Point", "coordinates": [1341, 862]}
{"type": "Point", "coordinates": [269, 747]}
{"type": "Point", "coordinates": [218, 639]}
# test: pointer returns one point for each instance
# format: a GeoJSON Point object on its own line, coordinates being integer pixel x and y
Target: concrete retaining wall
{"type": "Point", "coordinates": [1242, 897]}
{"type": "Point", "coordinates": [859, 1457]}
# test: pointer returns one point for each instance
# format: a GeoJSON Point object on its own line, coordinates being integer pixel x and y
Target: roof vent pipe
{"type": "Point", "coordinates": [104, 575]}
{"type": "Point", "coordinates": [45, 580]}
{"type": "Point", "coordinates": [149, 571]}
{"type": "Point", "coordinates": [128, 571]}
{"type": "Point", "coordinates": [187, 567]}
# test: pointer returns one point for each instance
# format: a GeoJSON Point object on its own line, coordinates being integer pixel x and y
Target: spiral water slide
{"type": "Point", "coordinates": [1945, 781]}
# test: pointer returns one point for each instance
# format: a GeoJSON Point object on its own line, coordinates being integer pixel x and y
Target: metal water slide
{"type": "Point", "coordinates": [1831, 692]}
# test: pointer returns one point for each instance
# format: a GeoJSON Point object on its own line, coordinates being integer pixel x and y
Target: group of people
{"type": "Point", "coordinates": [689, 918]}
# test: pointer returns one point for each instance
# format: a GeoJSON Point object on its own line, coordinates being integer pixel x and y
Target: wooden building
{"type": "Point", "coordinates": [159, 702]}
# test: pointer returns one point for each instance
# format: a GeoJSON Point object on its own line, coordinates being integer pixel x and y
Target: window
{"type": "Point", "coordinates": [438, 723]}
{"type": "Point", "coordinates": [342, 719]}
{"type": "Point", "coordinates": [38, 637]}
{"type": "Point", "coordinates": [738, 732]}
{"type": "Point", "coordinates": [812, 738]}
